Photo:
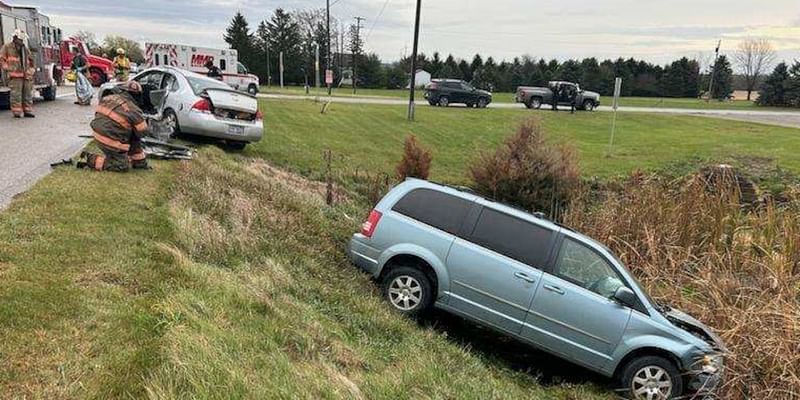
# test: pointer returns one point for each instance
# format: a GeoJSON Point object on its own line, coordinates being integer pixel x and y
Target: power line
{"type": "Point", "coordinates": [375, 22]}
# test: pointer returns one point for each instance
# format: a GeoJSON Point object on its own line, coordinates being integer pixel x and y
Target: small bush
{"type": "Point", "coordinates": [416, 162]}
{"type": "Point", "coordinates": [529, 172]}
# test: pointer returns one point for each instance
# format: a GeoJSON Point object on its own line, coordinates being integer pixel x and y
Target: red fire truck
{"type": "Point", "coordinates": [43, 40]}
{"type": "Point", "coordinates": [101, 70]}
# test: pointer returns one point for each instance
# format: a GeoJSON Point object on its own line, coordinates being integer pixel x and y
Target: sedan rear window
{"type": "Point", "coordinates": [437, 209]}
{"type": "Point", "coordinates": [200, 84]}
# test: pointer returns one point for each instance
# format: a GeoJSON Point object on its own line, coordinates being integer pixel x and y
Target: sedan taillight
{"type": "Point", "coordinates": [202, 105]}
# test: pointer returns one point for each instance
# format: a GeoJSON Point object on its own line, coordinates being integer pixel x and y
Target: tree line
{"type": "Point", "coordinates": [297, 34]}
{"type": "Point", "coordinates": [781, 88]}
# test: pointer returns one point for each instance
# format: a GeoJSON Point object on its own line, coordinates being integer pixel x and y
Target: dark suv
{"type": "Point", "coordinates": [443, 92]}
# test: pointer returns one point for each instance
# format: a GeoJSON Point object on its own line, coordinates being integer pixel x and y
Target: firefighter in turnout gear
{"type": "Point", "coordinates": [16, 59]}
{"type": "Point", "coordinates": [118, 126]}
{"type": "Point", "coordinates": [122, 66]}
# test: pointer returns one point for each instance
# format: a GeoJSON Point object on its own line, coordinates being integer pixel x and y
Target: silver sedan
{"type": "Point", "coordinates": [195, 104]}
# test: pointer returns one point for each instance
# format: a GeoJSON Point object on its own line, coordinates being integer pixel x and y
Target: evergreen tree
{"type": "Point", "coordinates": [590, 74]}
{"type": "Point", "coordinates": [773, 90]}
{"type": "Point", "coordinates": [449, 69]}
{"type": "Point", "coordinates": [284, 36]}
{"type": "Point", "coordinates": [465, 70]}
{"type": "Point", "coordinates": [238, 37]}
{"type": "Point", "coordinates": [569, 71]}
{"type": "Point", "coordinates": [371, 73]}
{"type": "Point", "coordinates": [723, 79]}
{"type": "Point", "coordinates": [436, 64]}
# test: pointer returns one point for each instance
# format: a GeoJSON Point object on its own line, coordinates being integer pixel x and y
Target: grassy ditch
{"type": "Point", "coordinates": [219, 278]}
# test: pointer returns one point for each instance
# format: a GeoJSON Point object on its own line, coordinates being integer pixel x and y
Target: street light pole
{"type": "Point", "coordinates": [414, 64]}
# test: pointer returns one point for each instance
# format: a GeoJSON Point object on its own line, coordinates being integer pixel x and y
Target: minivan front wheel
{"type": "Point", "coordinates": [652, 378]}
{"type": "Point", "coordinates": [408, 290]}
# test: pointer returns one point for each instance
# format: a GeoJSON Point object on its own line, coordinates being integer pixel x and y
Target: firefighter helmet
{"type": "Point", "coordinates": [131, 87]}
{"type": "Point", "coordinates": [121, 51]}
{"type": "Point", "coordinates": [20, 34]}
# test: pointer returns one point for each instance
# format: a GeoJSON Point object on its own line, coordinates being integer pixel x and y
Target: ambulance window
{"type": "Point", "coordinates": [165, 60]}
{"type": "Point", "coordinates": [222, 65]}
{"type": "Point", "coordinates": [241, 69]}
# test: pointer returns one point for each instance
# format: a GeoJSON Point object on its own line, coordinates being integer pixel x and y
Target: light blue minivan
{"type": "Point", "coordinates": [430, 245]}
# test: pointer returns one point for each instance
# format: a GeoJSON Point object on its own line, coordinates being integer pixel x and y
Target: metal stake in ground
{"type": "Point", "coordinates": [414, 64]}
{"type": "Point", "coordinates": [615, 105]}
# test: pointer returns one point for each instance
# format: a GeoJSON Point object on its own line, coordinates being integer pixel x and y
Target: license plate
{"type": "Point", "coordinates": [235, 130]}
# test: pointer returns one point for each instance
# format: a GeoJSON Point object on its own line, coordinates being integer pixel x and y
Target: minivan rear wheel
{"type": "Point", "coordinates": [652, 378]}
{"type": "Point", "coordinates": [408, 290]}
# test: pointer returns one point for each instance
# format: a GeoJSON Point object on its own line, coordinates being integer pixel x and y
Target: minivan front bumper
{"type": "Point", "coordinates": [363, 255]}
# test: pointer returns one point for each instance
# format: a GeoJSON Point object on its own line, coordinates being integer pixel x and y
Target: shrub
{"type": "Point", "coordinates": [529, 171]}
{"type": "Point", "coordinates": [416, 162]}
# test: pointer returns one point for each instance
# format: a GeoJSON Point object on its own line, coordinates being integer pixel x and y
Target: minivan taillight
{"type": "Point", "coordinates": [368, 227]}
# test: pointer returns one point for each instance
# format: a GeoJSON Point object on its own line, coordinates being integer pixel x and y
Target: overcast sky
{"type": "Point", "coordinates": [657, 31]}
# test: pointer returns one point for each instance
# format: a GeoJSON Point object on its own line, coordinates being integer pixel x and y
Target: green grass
{"type": "Point", "coordinates": [370, 138]}
{"type": "Point", "coordinates": [220, 278]}
{"type": "Point", "coordinates": [503, 97]}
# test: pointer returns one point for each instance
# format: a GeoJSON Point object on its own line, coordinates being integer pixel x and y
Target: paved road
{"type": "Point", "coordinates": [28, 146]}
{"type": "Point", "coordinates": [781, 118]}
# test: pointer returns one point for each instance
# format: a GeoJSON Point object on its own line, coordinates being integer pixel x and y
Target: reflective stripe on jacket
{"type": "Point", "coordinates": [116, 118]}
{"type": "Point", "coordinates": [13, 62]}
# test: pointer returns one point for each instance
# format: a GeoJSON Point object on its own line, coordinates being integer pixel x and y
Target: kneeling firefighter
{"type": "Point", "coordinates": [118, 126]}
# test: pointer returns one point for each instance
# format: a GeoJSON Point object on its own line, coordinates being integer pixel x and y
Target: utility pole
{"type": "Point", "coordinates": [280, 61]}
{"type": "Point", "coordinates": [357, 39]}
{"type": "Point", "coordinates": [713, 71]}
{"type": "Point", "coordinates": [414, 64]}
{"type": "Point", "coordinates": [328, 33]}
{"type": "Point", "coordinates": [316, 66]}
{"type": "Point", "coordinates": [269, 75]}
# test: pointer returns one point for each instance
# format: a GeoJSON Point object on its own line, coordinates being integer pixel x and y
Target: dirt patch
{"type": "Point", "coordinates": [297, 183]}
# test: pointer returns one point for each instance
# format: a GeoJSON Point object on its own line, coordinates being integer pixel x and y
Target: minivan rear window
{"type": "Point", "coordinates": [437, 209]}
{"type": "Point", "coordinates": [512, 237]}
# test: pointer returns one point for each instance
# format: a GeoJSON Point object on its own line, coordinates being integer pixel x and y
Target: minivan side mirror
{"type": "Point", "coordinates": [625, 296]}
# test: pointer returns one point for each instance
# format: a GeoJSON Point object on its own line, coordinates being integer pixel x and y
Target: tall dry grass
{"type": "Point", "coordinates": [736, 269]}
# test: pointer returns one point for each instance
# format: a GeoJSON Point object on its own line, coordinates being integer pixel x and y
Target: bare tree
{"type": "Point", "coordinates": [754, 56]}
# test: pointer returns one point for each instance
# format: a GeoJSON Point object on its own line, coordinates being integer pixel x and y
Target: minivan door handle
{"type": "Point", "coordinates": [554, 289]}
{"type": "Point", "coordinates": [524, 277]}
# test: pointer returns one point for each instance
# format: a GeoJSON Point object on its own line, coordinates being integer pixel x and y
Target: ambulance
{"type": "Point", "coordinates": [194, 58]}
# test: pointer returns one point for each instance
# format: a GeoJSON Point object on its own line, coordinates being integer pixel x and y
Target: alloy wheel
{"type": "Point", "coordinates": [535, 104]}
{"type": "Point", "coordinates": [405, 293]}
{"type": "Point", "coordinates": [651, 383]}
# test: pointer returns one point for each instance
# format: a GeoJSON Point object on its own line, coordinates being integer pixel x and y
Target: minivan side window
{"type": "Point", "coordinates": [583, 266]}
{"type": "Point", "coordinates": [437, 209]}
{"type": "Point", "coordinates": [512, 237]}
